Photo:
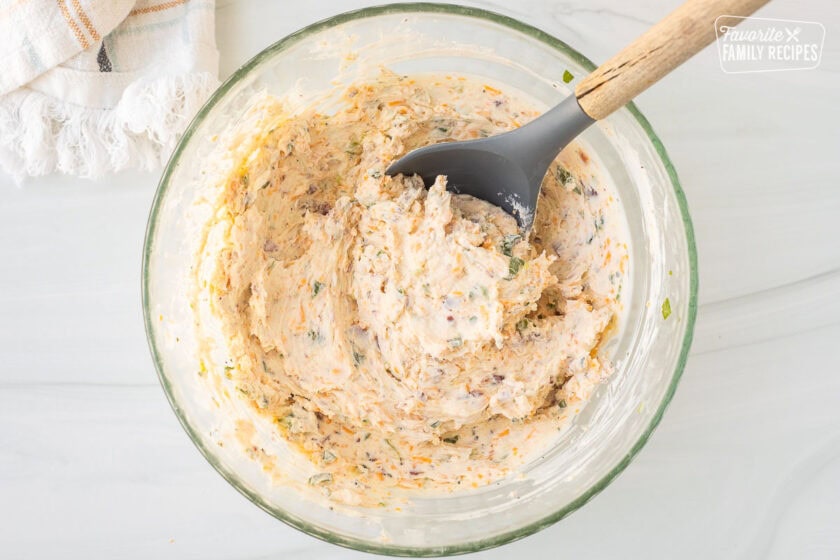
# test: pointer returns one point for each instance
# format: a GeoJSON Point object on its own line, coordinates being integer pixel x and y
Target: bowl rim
{"type": "Point", "coordinates": [312, 529]}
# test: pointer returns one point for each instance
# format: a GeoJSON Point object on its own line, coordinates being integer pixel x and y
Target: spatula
{"type": "Point", "coordinates": [508, 169]}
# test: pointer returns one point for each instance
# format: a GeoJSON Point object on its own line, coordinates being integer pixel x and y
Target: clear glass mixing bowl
{"type": "Point", "coordinates": [649, 351]}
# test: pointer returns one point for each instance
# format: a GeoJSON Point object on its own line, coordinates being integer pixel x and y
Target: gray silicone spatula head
{"type": "Point", "coordinates": [505, 170]}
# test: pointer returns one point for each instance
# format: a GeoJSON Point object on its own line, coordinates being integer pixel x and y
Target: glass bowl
{"type": "Point", "coordinates": [649, 350]}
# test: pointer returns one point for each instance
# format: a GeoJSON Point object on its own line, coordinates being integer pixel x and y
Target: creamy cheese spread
{"type": "Point", "coordinates": [398, 336]}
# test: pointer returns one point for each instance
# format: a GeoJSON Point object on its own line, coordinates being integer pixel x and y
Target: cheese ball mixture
{"type": "Point", "coordinates": [402, 337]}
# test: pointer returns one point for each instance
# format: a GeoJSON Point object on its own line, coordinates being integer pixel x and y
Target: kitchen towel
{"type": "Point", "coordinates": [89, 87]}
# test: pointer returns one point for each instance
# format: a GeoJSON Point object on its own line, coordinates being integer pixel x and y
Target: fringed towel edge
{"type": "Point", "coordinates": [40, 134]}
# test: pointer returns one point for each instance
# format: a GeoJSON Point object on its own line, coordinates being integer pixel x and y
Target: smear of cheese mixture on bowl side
{"type": "Point", "coordinates": [402, 337]}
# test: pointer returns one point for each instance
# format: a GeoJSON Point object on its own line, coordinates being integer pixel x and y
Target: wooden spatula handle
{"type": "Point", "coordinates": [666, 45]}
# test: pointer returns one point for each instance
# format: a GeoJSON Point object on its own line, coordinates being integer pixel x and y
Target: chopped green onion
{"type": "Point", "coordinates": [358, 358]}
{"type": "Point", "coordinates": [563, 175]}
{"type": "Point", "coordinates": [666, 308]}
{"type": "Point", "coordinates": [391, 445]}
{"type": "Point", "coordinates": [315, 335]}
{"type": "Point", "coordinates": [353, 148]}
{"type": "Point", "coordinates": [508, 242]}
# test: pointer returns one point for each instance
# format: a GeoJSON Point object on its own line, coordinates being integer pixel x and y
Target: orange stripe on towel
{"type": "Point", "coordinates": [156, 8]}
{"type": "Point", "coordinates": [74, 27]}
{"type": "Point", "coordinates": [86, 21]}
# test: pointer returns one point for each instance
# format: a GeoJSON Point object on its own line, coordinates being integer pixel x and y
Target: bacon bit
{"type": "Point", "coordinates": [583, 157]}
{"type": "Point", "coordinates": [423, 459]}
{"type": "Point", "coordinates": [505, 432]}
{"type": "Point", "coordinates": [492, 89]}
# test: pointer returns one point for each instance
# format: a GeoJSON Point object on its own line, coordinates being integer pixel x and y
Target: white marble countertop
{"type": "Point", "coordinates": [746, 463]}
